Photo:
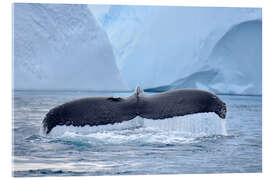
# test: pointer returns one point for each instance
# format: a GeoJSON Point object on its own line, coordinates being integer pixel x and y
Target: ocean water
{"type": "Point", "coordinates": [199, 143]}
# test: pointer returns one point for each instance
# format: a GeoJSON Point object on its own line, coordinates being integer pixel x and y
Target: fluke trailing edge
{"type": "Point", "coordinates": [94, 111]}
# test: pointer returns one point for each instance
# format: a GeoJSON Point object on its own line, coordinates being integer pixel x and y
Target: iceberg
{"type": "Point", "coordinates": [211, 48]}
{"type": "Point", "coordinates": [124, 26]}
{"type": "Point", "coordinates": [233, 67]}
{"type": "Point", "coordinates": [61, 47]}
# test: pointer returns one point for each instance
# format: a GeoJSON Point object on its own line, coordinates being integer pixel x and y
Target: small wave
{"type": "Point", "coordinates": [140, 131]}
{"type": "Point", "coordinates": [46, 172]}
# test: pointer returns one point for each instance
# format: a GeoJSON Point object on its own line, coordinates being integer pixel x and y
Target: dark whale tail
{"type": "Point", "coordinates": [94, 111]}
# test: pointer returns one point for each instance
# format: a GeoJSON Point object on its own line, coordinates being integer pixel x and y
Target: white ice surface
{"type": "Point", "coordinates": [186, 46]}
{"type": "Point", "coordinates": [60, 46]}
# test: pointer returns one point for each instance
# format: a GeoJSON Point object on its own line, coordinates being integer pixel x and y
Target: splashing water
{"type": "Point", "coordinates": [182, 129]}
{"type": "Point", "coordinates": [200, 124]}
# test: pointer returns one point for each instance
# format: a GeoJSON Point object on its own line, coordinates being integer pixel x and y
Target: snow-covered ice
{"type": "Point", "coordinates": [60, 46]}
{"type": "Point", "coordinates": [212, 48]}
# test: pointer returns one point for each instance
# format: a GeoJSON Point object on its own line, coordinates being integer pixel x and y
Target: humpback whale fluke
{"type": "Point", "coordinates": [95, 111]}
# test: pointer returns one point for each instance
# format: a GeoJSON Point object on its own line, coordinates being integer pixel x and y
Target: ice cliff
{"type": "Point", "coordinates": [162, 48]}
{"type": "Point", "coordinates": [61, 47]}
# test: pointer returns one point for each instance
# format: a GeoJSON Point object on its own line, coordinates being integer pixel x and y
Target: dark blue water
{"type": "Point", "coordinates": [200, 143]}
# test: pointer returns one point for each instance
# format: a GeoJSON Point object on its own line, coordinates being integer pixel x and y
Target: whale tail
{"type": "Point", "coordinates": [95, 111]}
